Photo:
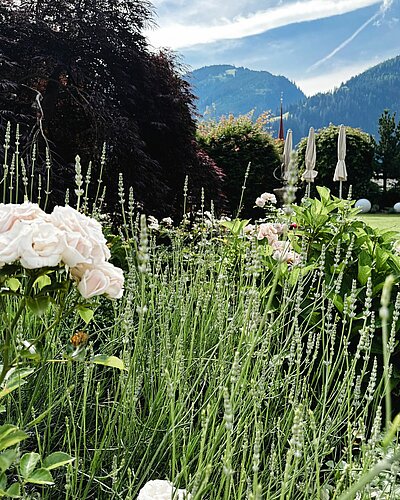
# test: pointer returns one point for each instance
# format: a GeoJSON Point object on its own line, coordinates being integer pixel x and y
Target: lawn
{"type": "Point", "coordinates": [383, 221]}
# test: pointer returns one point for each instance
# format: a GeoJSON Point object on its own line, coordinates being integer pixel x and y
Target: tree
{"type": "Point", "coordinates": [359, 158]}
{"type": "Point", "coordinates": [388, 148]}
{"type": "Point", "coordinates": [234, 142]}
{"type": "Point", "coordinates": [77, 73]}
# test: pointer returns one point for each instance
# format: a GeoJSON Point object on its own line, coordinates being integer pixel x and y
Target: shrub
{"type": "Point", "coordinates": [235, 142]}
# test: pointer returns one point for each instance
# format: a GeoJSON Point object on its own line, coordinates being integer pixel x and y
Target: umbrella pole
{"type": "Point", "coordinates": [340, 189]}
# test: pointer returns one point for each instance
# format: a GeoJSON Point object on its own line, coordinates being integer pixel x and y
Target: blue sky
{"type": "Point", "coordinates": [316, 43]}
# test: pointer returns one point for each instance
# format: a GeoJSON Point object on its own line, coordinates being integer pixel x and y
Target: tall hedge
{"type": "Point", "coordinates": [233, 143]}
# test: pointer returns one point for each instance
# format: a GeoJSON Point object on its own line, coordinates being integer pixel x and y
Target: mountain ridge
{"type": "Point", "coordinates": [215, 84]}
{"type": "Point", "coordinates": [358, 102]}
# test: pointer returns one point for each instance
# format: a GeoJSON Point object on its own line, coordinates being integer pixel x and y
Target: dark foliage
{"type": "Point", "coordinates": [76, 74]}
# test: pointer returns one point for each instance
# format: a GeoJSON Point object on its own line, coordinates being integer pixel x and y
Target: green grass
{"type": "Point", "coordinates": [383, 221]}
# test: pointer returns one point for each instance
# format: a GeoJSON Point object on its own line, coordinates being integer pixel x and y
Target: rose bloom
{"type": "Point", "coordinates": [285, 253]}
{"type": "Point", "coordinates": [269, 197]}
{"type": "Point", "coordinates": [101, 279]}
{"type": "Point", "coordinates": [269, 231]}
{"type": "Point", "coordinates": [260, 202]}
{"type": "Point", "coordinates": [36, 243]}
{"type": "Point", "coordinates": [85, 242]}
{"type": "Point", "coordinates": [167, 221]}
{"type": "Point", "coordinates": [11, 213]}
{"type": "Point", "coordinates": [153, 223]}
{"type": "Point", "coordinates": [249, 229]}
{"type": "Point", "coordinates": [161, 490]}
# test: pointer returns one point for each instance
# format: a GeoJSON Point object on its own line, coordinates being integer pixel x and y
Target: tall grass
{"type": "Point", "coordinates": [229, 392]}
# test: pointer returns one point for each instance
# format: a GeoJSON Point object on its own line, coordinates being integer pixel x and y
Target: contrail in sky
{"type": "Point", "coordinates": [384, 7]}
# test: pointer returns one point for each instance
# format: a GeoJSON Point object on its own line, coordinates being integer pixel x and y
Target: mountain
{"type": "Point", "coordinates": [225, 89]}
{"type": "Point", "coordinates": [358, 103]}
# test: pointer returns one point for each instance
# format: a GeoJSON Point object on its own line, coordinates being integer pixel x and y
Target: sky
{"type": "Point", "coordinates": [316, 43]}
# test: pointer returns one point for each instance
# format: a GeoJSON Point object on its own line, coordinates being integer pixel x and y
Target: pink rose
{"type": "Point", "coordinates": [267, 230]}
{"type": "Point", "coordinates": [101, 279]}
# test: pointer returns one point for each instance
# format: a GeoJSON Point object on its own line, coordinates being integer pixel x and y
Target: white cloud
{"type": "Point", "coordinates": [179, 35]}
{"type": "Point", "coordinates": [333, 79]}
{"type": "Point", "coordinates": [386, 4]}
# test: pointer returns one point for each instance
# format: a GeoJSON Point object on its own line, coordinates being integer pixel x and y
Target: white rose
{"type": "Point", "coordinates": [249, 229]}
{"type": "Point", "coordinates": [167, 221]}
{"type": "Point", "coordinates": [115, 289]}
{"type": "Point", "coordinates": [102, 279]}
{"type": "Point", "coordinates": [36, 243]}
{"type": "Point", "coordinates": [271, 198]}
{"type": "Point", "coordinates": [260, 202]}
{"type": "Point", "coordinates": [85, 242]}
{"type": "Point", "coordinates": [161, 490]}
{"type": "Point", "coordinates": [11, 213]}
{"type": "Point", "coordinates": [9, 247]}
{"type": "Point", "coordinates": [153, 223]}
{"type": "Point", "coordinates": [93, 282]}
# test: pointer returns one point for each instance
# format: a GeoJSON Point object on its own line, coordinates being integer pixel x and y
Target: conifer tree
{"type": "Point", "coordinates": [387, 153]}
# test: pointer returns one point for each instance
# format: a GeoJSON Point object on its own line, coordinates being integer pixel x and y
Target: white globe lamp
{"type": "Point", "coordinates": [396, 207]}
{"type": "Point", "coordinates": [364, 205]}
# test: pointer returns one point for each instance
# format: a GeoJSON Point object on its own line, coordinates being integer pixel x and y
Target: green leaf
{"type": "Point", "coordinates": [12, 438]}
{"type": "Point", "coordinates": [381, 257]}
{"type": "Point", "coordinates": [28, 463]}
{"type": "Point", "coordinates": [324, 193]}
{"type": "Point", "coordinates": [112, 361]}
{"type": "Point", "coordinates": [3, 481]}
{"type": "Point", "coordinates": [236, 226]}
{"type": "Point", "coordinates": [13, 284]}
{"type": "Point", "coordinates": [38, 305]}
{"type": "Point", "coordinates": [6, 459]}
{"type": "Point", "coordinates": [40, 476]}
{"type": "Point", "coordinates": [14, 491]}
{"type": "Point", "coordinates": [85, 313]}
{"type": "Point", "coordinates": [392, 431]}
{"type": "Point", "coordinates": [57, 459]}
{"type": "Point", "coordinates": [364, 267]}
{"type": "Point", "coordinates": [7, 429]}
{"type": "Point", "coordinates": [15, 380]}
{"type": "Point", "coordinates": [43, 281]}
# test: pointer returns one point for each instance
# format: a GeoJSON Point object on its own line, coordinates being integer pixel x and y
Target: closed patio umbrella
{"type": "Point", "coordinates": [287, 151]}
{"type": "Point", "coordinates": [310, 159]}
{"type": "Point", "coordinates": [340, 171]}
